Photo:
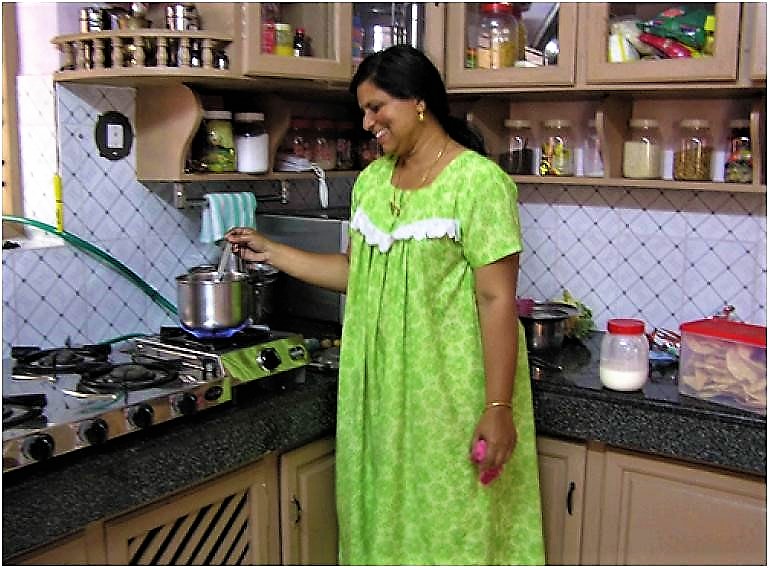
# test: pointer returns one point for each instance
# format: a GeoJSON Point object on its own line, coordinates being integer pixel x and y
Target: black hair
{"type": "Point", "coordinates": [405, 72]}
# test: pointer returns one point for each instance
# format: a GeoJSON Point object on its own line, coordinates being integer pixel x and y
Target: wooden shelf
{"type": "Point", "coordinates": [238, 176]}
{"type": "Point", "coordinates": [642, 183]}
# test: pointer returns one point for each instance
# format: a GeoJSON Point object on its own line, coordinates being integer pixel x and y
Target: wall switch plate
{"type": "Point", "coordinates": [114, 136]}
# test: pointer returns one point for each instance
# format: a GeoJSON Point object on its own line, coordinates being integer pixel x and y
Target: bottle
{"type": "Point", "coordinates": [345, 158]}
{"type": "Point", "coordinates": [556, 158]}
{"type": "Point", "coordinates": [692, 159]}
{"type": "Point", "coordinates": [641, 150]}
{"type": "Point", "coordinates": [300, 45]}
{"type": "Point", "coordinates": [284, 44]}
{"type": "Point", "coordinates": [324, 145]}
{"type": "Point", "coordinates": [624, 355]}
{"type": "Point", "coordinates": [593, 163]}
{"type": "Point", "coordinates": [738, 167]}
{"type": "Point", "coordinates": [497, 36]}
{"type": "Point", "coordinates": [219, 147]}
{"type": "Point", "coordinates": [252, 144]}
{"type": "Point", "coordinates": [518, 158]}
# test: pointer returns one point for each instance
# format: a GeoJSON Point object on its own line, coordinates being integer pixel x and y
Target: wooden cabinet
{"type": "Point", "coordinates": [755, 27]}
{"type": "Point", "coordinates": [459, 77]}
{"type": "Point", "coordinates": [594, 21]}
{"type": "Point", "coordinates": [562, 479]}
{"type": "Point", "coordinates": [230, 520]}
{"type": "Point", "coordinates": [308, 506]}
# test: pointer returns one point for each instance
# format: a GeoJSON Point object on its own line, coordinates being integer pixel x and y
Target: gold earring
{"type": "Point", "coordinates": [420, 115]}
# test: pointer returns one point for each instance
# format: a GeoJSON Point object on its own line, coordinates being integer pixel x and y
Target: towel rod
{"type": "Point", "coordinates": [181, 200]}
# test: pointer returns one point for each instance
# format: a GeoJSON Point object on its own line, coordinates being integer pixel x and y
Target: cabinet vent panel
{"type": "Point", "coordinates": [216, 534]}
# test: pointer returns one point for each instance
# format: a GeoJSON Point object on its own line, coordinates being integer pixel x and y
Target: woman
{"type": "Point", "coordinates": [433, 358]}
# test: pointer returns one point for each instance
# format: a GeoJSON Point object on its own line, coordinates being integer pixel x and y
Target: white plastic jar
{"type": "Point", "coordinates": [252, 144]}
{"type": "Point", "coordinates": [624, 358]}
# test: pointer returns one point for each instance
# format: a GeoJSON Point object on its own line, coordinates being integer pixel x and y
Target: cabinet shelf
{"type": "Point", "coordinates": [272, 176]}
{"type": "Point", "coordinates": [641, 183]}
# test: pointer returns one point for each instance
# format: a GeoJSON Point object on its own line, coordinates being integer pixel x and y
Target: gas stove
{"type": "Point", "coordinates": [61, 400]}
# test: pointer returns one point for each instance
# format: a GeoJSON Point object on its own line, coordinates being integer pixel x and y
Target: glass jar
{"type": "Point", "coordinates": [367, 150]}
{"type": "Point", "coordinates": [284, 39]}
{"type": "Point", "coordinates": [518, 158]}
{"type": "Point", "coordinates": [324, 145]}
{"type": "Point", "coordinates": [692, 159]}
{"type": "Point", "coordinates": [345, 158]}
{"type": "Point", "coordinates": [593, 163]}
{"type": "Point", "coordinates": [624, 355]}
{"type": "Point", "coordinates": [218, 153]}
{"type": "Point", "coordinates": [252, 144]}
{"type": "Point", "coordinates": [298, 138]}
{"type": "Point", "coordinates": [496, 46]}
{"type": "Point", "coordinates": [738, 167]}
{"type": "Point", "coordinates": [556, 158]}
{"type": "Point", "coordinates": [642, 150]}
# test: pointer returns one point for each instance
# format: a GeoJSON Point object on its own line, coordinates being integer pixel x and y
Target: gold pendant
{"type": "Point", "coordinates": [395, 208]}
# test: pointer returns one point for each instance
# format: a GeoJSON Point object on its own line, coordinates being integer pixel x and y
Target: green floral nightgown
{"type": "Point", "coordinates": [411, 385]}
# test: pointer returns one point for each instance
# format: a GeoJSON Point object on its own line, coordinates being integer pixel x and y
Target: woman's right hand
{"type": "Point", "coordinates": [249, 243]}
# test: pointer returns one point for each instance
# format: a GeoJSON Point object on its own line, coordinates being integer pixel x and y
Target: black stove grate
{"type": "Point", "coordinates": [128, 377]}
{"type": "Point", "coordinates": [60, 360]}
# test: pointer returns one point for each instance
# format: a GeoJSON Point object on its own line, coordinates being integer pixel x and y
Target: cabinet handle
{"type": "Point", "coordinates": [297, 509]}
{"type": "Point", "coordinates": [570, 491]}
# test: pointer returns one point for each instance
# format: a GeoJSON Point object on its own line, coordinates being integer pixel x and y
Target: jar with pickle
{"type": "Point", "coordinates": [642, 150]}
{"type": "Point", "coordinates": [692, 159]}
{"type": "Point", "coordinates": [557, 152]}
{"type": "Point", "coordinates": [217, 153]}
{"type": "Point", "coordinates": [518, 158]}
{"type": "Point", "coordinates": [738, 167]}
{"type": "Point", "coordinates": [498, 35]}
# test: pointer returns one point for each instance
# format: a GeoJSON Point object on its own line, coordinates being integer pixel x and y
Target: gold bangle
{"type": "Point", "coordinates": [494, 403]}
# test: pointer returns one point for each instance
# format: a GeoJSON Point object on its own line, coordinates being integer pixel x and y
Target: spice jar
{"type": "Point", "coordinates": [556, 157]}
{"type": "Point", "coordinates": [624, 355]}
{"type": "Point", "coordinates": [738, 168]}
{"type": "Point", "coordinates": [218, 154]}
{"type": "Point", "coordinates": [593, 163]}
{"type": "Point", "coordinates": [284, 39]}
{"type": "Point", "coordinates": [324, 145]}
{"type": "Point", "coordinates": [641, 150]}
{"type": "Point", "coordinates": [692, 160]}
{"type": "Point", "coordinates": [497, 36]}
{"type": "Point", "coordinates": [252, 145]}
{"type": "Point", "coordinates": [518, 158]}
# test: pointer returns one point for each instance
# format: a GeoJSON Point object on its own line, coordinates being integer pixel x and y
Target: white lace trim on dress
{"type": "Point", "coordinates": [419, 230]}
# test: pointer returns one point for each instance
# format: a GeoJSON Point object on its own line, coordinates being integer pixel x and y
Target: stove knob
{"type": "Point", "coordinates": [269, 359]}
{"type": "Point", "coordinates": [141, 416]}
{"type": "Point", "coordinates": [94, 431]}
{"type": "Point", "coordinates": [186, 403]}
{"type": "Point", "coordinates": [38, 447]}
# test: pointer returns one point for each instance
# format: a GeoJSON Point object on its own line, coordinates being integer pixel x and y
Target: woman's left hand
{"type": "Point", "coordinates": [497, 429]}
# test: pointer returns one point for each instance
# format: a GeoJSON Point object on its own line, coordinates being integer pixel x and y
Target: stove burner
{"type": "Point", "coordinates": [33, 360]}
{"type": "Point", "coordinates": [215, 333]}
{"type": "Point", "coordinates": [247, 336]}
{"type": "Point", "coordinates": [128, 377]}
{"type": "Point", "coordinates": [18, 409]}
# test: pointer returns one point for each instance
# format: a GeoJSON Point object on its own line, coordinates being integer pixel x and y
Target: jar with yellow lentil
{"type": "Point", "coordinates": [692, 159]}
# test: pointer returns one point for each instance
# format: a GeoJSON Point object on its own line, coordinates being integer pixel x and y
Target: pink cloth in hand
{"type": "Point", "coordinates": [477, 455]}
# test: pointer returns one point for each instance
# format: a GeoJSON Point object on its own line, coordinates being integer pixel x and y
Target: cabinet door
{"type": "Point", "coordinates": [595, 19]}
{"type": "Point", "coordinates": [758, 14]}
{"type": "Point", "coordinates": [308, 507]}
{"type": "Point", "coordinates": [328, 29]}
{"type": "Point", "coordinates": [562, 477]}
{"type": "Point", "coordinates": [544, 22]}
{"type": "Point", "coordinates": [228, 521]}
{"type": "Point", "coordinates": [664, 512]}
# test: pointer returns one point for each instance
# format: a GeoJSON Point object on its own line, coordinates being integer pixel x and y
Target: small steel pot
{"type": "Point", "coordinates": [261, 278]}
{"type": "Point", "coordinates": [206, 302]}
{"type": "Point", "coordinates": [545, 326]}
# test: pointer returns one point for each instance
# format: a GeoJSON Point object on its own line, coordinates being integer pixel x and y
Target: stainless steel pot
{"type": "Point", "coordinates": [545, 325]}
{"type": "Point", "coordinates": [261, 278]}
{"type": "Point", "coordinates": [207, 302]}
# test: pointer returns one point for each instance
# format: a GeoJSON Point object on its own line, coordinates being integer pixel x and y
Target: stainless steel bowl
{"type": "Point", "coordinates": [545, 325]}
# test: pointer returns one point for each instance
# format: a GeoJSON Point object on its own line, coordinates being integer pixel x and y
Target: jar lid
{"type": "Point", "coordinates": [694, 123]}
{"type": "Point", "coordinates": [739, 123]}
{"type": "Point", "coordinates": [624, 326]}
{"type": "Point", "coordinates": [217, 114]}
{"type": "Point", "coordinates": [248, 116]}
{"type": "Point", "coordinates": [282, 27]}
{"type": "Point", "coordinates": [719, 328]}
{"type": "Point", "coordinates": [516, 123]}
{"type": "Point", "coordinates": [496, 8]}
{"type": "Point", "coordinates": [557, 123]}
{"type": "Point", "coordinates": [643, 123]}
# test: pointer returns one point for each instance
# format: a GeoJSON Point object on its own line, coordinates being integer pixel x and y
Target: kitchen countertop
{"type": "Point", "coordinates": [50, 500]}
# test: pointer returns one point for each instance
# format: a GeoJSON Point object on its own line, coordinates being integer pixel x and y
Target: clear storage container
{"type": "Point", "coordinates": [738, 167]}
{"type": "Point", "coordinates": [642, 150]}
{"type": "Point", "coordinates": [625, 353]}
{"type": "Point", "coordinates": [557, 153]}
{"type": "Point", "coordinates": [496, 46]}
{"type": "Point", "coordinates": [593, 162]}
{"type": "Point", "coordinates": [252, 144]}
{"type": "Point", "coordinates": [518, 158]}
{"type": "Point", "coordinates": [218, 154]}
{"type": "Point", "coordinates": [325, 145]}
{"type": "Point", "coordinates": [692, 159]}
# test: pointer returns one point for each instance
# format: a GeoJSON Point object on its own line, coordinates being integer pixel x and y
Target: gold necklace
{"type": "Point", "coordinates": [395, 200]}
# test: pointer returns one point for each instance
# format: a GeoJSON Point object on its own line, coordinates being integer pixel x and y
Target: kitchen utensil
{"type": "Point", "coordinates": [544, 326]}
{"type": "Point", "coordinates": [261, 279]}
{"type": "Point", "coordinates": [224, 261]}
{"type": "Point", "coordinates": [208, 302]}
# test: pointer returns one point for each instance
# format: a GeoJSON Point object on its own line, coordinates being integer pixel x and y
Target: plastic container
{"type": "Point", "coordinates": [557, 153]}
{"type": "Point", "coordinates": [593, 162]}
{"type": "Point", "coordinates": [252, 144]}
{"type": "Point", "coordinates": [518, 158]}
{"type": "Point", "coordinates": [284, 39]}
{"type": "Point", "coordinates": [218, 154]}
{"type": "Point", "coordinates": [738, 167]}
{"type": "Point", "coordinates": [725, 361]}
{"type": "Point", "coordinates": [692, 159]}
{"type": "Point", "coordinates": [624, 358]}
{"type": "Point", "coordinates": [324, 145]}
{"type": "Point", "coordinates": [496, 46]}
{"type": "Point", "coordinates": [642, 156]}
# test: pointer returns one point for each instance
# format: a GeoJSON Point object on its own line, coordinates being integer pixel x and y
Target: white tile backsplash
{"type": "Point", "coordinates": [665, 256]}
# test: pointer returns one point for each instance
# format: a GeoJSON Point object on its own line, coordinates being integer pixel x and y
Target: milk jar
{"type": "Point", "coordinates": [624, 358]}
{"type": "Point", "coordinates": [252, 146]}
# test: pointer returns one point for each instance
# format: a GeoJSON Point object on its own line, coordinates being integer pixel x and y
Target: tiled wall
{"type": "Point", "coordinates": [663, 256]}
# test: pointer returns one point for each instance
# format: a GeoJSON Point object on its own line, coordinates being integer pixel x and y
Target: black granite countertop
{"type": "Point", "coordinates": [47, 501]}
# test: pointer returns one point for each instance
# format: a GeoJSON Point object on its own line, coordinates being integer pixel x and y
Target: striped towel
{"type": "Point", "coordinates": [224, 211]}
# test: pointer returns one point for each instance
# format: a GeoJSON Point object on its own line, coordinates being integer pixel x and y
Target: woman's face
{"type": "Point", "coordinates": [392, 121]}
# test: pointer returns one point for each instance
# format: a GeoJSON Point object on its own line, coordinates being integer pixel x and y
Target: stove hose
{"type": "Point", "coordinates": [100, 255]}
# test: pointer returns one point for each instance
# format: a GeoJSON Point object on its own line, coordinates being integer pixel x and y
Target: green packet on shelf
{"type": "Point", "coordinates": [681, 23]}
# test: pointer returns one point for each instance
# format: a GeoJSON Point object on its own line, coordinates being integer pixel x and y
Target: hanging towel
{"type": "Point", "coordinates": [224, 211]}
